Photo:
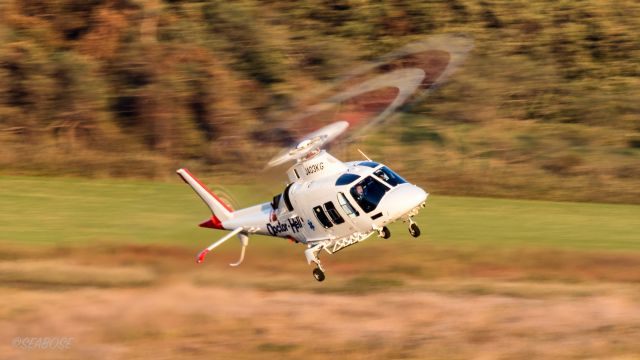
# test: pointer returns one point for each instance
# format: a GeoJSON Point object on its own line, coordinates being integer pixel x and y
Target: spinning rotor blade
{"type": "Point", "coordinates": [225, 195]}
{"type": "Point", "coordinates": [372, 93]}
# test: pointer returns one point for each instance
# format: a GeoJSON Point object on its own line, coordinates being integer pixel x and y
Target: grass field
{"type": "Point", "coordinates": [74, 211]}
{"type": "Point", "coordinates": [111, 264]}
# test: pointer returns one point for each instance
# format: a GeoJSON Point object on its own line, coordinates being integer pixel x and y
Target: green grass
{"type": "Point", "coordinates": [79, 211]}
{"type": "Point", "coordinates": [504, 222]}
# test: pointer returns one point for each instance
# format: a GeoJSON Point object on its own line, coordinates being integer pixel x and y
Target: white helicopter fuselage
{"type": "Point", "coordinates": [321, 204]}
{"type": "Point", "coordinates": [327, 205]}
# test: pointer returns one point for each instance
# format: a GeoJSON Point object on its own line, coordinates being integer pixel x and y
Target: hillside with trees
{"type": "Point", "coordinates": [545, 106]}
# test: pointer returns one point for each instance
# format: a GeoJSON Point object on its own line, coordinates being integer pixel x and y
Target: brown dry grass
{"type": "Point", "coordinates": [447, 304]}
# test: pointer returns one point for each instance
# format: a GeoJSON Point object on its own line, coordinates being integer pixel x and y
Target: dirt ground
{"type": "Point", "coordinates": [140, 302]}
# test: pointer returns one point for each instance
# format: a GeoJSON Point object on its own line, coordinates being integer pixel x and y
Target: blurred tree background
{"type": "Point", "coordinates": [546, 106]}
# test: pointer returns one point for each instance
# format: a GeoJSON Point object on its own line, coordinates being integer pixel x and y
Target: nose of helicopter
{"type": "Point", "coordinates": [403, 199]}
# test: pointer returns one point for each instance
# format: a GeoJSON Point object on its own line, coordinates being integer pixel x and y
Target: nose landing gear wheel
{"type": "Point", "coordinates": [414, 230]}
{"type": "Point", "coordinates": [385, 233]}
{"type": "Point", "coordinates": [318, 274]}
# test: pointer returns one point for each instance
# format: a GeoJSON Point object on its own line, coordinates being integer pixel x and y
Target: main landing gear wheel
{"type": "Point", "coordinates": [318, 274]}
{"type": "Point", "coordinates": [414, 230]}
{"type": "Point", "coordinates": [385, 233]}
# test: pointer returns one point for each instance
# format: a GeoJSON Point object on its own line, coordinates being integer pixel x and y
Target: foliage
{"type": "Point", "coordinates": [548, 95]}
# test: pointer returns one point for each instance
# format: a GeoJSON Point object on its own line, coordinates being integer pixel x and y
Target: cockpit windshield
{"type": "Point", "coordinates": [389, 176]}
{"type": "Point", "coordinates": [368, 193]}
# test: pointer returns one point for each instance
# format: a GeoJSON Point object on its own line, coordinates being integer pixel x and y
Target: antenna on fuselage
{"type": "Point", "coordinates": [365, 155]}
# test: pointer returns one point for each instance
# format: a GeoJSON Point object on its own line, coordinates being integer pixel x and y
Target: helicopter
{"type": "Point", "coordinates": [329, 204]}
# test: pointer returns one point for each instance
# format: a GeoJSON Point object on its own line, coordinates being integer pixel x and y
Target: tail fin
{"type": "Point", "coordinates": [221, 210]}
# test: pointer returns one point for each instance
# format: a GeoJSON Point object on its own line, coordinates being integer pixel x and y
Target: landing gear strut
{"type": "Point", "coordinates": [312, 256]}
{"type": "Point", "coordinates": [414, 230]}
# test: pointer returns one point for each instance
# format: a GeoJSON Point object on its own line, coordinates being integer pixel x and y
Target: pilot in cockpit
{"type": "Point", "coordinates": [359, 192]}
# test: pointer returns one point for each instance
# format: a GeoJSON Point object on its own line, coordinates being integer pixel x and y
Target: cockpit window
{"type": "Point", "coordinates": [368, 193]}
{"type": "Point", "coordinates": [345, 179]}
{"type": "Point", "coordinates": [389, 176]}
{"type": "Point", "coordinates": [370, 164]}
{"type": "Point", "coordinates": [346, 206]}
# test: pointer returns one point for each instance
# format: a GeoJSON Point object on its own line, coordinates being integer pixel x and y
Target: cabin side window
{"type": "Point", "coordinates": [287, 200]}
{"type": "Point", "coordinates": [322, 217]}
{"type": "Point", "coordinates": [346, 206]}
{"type": "Point", "coordinates": [333, 213]}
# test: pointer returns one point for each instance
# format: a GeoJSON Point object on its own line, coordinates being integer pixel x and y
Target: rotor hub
{"type": "Point", "coordinates": [310, 145]}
